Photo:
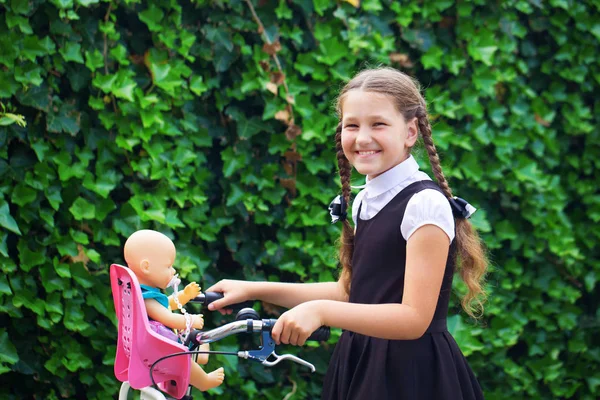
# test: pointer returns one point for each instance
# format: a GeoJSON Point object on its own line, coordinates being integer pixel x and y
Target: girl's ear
{"type": "Point", "coordinates": [412, 132]}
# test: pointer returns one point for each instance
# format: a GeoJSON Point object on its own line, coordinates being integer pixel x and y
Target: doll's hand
{"type": "Point", "coordinates": [296, 325]}
{"type": "Point", "coordinates": [197, 321]}
{"type": "Point", "coordinates": [192, 290]}
{"type": "Point", "coordinates": [233, 292]}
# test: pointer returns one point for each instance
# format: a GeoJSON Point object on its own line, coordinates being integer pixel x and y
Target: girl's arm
{"type": "Point", "coordinates": [171, 320]}
{"type": "Point", "coordinates": [282, 294]}
{"type": "Point", "coordinates": [426, 255]}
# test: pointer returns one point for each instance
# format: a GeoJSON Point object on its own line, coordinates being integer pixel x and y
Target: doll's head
{"type": "Point", "coordinates": [150, 255]}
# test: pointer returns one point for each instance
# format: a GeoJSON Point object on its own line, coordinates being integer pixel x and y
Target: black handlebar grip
{"type": "Point", "coordinates": [320, 335]}
{"type": "Point", "coordinates": [208, 297]}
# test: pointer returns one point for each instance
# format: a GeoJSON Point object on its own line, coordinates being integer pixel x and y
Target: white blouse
{"type": "Point", "coordinates": [427, 207]}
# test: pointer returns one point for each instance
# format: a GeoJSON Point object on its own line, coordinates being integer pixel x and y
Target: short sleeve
{"type": "Point", "coordinates": [428, 207]}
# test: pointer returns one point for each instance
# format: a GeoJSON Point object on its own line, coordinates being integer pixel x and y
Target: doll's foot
{"type": "Point", "coordinates": [203, 358]}
{"type": "Point", "coordinates": [213, 379]}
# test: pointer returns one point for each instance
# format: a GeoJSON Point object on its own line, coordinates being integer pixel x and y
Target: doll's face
{"type": "Point", "coordinates": [160, 269]}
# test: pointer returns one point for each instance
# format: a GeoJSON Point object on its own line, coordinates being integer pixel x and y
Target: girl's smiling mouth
{"type": "Point", "coordinates": [367, 153]}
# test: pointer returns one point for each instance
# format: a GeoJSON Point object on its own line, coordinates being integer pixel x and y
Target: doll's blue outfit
{"type": "Point", "coordinates": [149, 292]}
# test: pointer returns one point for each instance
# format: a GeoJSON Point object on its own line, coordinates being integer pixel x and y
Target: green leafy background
{"type": "Point", "coordinates": [174, 115]}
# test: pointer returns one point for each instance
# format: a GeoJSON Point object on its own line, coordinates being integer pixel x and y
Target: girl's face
{"type": "Point", "coordinates": [375, 136]}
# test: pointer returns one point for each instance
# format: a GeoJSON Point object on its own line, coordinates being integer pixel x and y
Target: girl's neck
{"type": "Point", "coordinates": [371, 177]}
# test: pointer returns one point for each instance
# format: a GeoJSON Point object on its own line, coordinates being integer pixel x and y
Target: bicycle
{"type": "Point", "coordinates": [247, 320]}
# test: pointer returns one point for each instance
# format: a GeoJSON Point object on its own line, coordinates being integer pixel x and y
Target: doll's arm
{"type": "Point", "coordinates": [191, 291]}
{"type": "Point", "coordinates": [169, 319]}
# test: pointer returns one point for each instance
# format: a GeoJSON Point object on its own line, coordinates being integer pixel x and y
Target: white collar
{"type": "Point", "coordinates": [390, 178]}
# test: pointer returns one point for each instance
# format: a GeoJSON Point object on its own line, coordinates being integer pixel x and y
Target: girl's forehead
{"type": "Point", "coordinates": [358, 103]}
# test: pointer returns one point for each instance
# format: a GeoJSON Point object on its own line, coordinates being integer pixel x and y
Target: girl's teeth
{"type": "Point", "coordinates": [366, 153]}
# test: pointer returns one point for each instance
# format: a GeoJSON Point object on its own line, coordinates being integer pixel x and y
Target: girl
{"type": "Point", "coordinates": [392, 296]}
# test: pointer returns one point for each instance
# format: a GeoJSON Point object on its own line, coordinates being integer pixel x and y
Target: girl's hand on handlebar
{"type": "Point", "coordinates": [296, 325]}
{"type": "Point", "coordinates": [233, 292]}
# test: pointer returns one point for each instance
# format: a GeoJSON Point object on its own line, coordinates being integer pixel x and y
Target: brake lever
{"type": "Point", "coordinates": [288, 357]}
{"type": "Point", "coordinates": [267, 350]}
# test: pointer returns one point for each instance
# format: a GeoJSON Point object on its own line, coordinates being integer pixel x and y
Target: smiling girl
{"type": "Point", "coordinates": [398, 262]}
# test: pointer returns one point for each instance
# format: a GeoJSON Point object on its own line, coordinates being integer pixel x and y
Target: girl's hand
{"type": "Point", "coordinates": [296, 325]}
{"type": "Point", "coordinates": [197, 321]}
{"type": "Point", "coordinates": [233, 292]}
{"type": "Point", "coordinates": [192, 290]}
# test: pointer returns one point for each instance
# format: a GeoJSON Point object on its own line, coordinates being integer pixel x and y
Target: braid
{"type": "Point", "coordinates": [470, 253]}
{"type": "Point", "coordinates": [347, 237]}
{"type": "Point", "coordinates": [434, 159]}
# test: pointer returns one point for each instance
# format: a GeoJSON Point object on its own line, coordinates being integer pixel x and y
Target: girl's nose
{"type": "Point", "coordinates": [364, 136]}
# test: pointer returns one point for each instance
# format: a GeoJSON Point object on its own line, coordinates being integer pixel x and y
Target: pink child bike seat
{"type": "Point", "coordinates": [138, 347]}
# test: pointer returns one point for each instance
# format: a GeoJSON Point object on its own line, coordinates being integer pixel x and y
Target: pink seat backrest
{"type": "Point", "coordinates": [138, 346]}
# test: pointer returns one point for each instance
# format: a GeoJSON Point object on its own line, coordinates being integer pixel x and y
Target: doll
{"type": "Point", "coordinates": [150, 255]}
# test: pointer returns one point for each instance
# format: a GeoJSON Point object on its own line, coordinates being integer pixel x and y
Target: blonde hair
{"type": "Point", "coordinates": [405, 92]}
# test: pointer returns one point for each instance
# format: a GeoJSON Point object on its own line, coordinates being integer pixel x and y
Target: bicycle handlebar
{"type": "Point", "coordinates": [208, 297]}
{"type": "Point", "coordinates": [198, 337]}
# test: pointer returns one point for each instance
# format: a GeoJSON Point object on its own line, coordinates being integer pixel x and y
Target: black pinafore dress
{"type": "Point", "coordinates": [363, 367]}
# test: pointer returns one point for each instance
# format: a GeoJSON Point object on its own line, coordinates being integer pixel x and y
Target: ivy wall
{"type": "Point", "coordinates": [212, 121]}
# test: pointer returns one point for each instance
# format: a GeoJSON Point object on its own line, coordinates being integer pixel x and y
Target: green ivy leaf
{"type": "Point", "coordinates": [63, 4]}
{"type": "Point", "coordinates": [332, 50]}
{"type": "Point", "coordinates": [432, 58]}
{"type": "Point", "coordinates": [3, 244]}
{"type": "Point", "coordinates": [165, 77]}
{"type": "Point", "coordinates": [23, 194]}
{"type": "Point", "coordinates": [104, 183]}
{"type": "Point", "coordinates": [87, 3]}
{"type": "Point", "coordinates": [28, 258]}
{"type": "Point", "coordinates": [66, 120]}
{"type": "Point", "coordinates": [54, 303]}
{"type": "Point", "coordinates": [8, 352]}
{"type": "Point", "coordinates": [29, 74]}
{"type": "Point", "coordinates": [33, 47]}
{"type": "Point", "coordinates": [153, 17]}
{"type": "Point", "coordinates": [197, 85]}
{"type": "Point", "coordinates": [6, 220]}
{"type": "Point", "coordinates": [82, 209]}
{"type": "Point", "coordinates": [125, 92]}
{"type": "Point", "coordinates": [231, 162]}
{"type": "Point", "coordinates": [482, 47]}
{"type": "Point", "coordinates": [82, 276]}
{"type": "Point", "coordinates": [74, 320]}
{"type": "Point", "coordinates": [71, 51]}
{"type": "Point", "coordinates": [4, 286]}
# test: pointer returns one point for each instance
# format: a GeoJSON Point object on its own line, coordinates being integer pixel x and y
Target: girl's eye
{"type": "Point", "coordinates": [378, 124]}
{"type": "Point", "coordinates": [351, 126]}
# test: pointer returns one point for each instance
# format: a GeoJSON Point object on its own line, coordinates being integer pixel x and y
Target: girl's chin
{"type": "Point", "coordinates": [368, 171]}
